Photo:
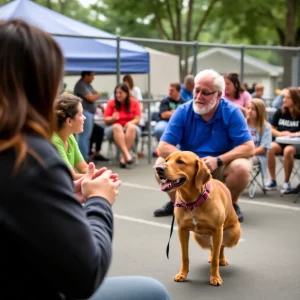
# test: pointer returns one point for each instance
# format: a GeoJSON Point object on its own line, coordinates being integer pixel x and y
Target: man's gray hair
{"type": "Point", "coordinates": [189, 78]}
{"type": "Point", "coordinates": [219, 82]}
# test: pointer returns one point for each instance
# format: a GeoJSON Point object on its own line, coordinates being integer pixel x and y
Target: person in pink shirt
{"type": "Point", "coordinates": [235, 92]}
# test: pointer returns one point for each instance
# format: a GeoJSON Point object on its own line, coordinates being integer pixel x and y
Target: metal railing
{"type": "Point", "coordinates": [196, 47]}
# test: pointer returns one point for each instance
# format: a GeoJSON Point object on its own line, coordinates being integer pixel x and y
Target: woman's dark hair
{"type": "Point", "coordinates": [127, 78]}
{"type": "Point", "coordinates": [295, 95]}
{"type": "Point", "coordinates": [31, 72]}
{"type": "Point", "coordinates": [124, 87]}
{"type": "Point", "coordinates": [65, 106]}
{"type": "Point", "coordinates": [234, 78]}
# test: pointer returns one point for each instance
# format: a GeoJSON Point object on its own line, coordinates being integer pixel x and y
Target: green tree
{"type": "Point", "coordinates": [251, 22]}
{"type": "Point", "coordinates": [164, 19]}
{"type": "Point", "coordinates": [264, 23]}
{"type": "Point", "coordinates": [221, 21]}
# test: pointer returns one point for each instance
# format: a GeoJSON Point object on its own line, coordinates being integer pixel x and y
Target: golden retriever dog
{"type": "Point", "coordinates": [203, 205]}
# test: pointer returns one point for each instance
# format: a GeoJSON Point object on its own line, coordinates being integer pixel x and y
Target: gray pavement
{"type": "Point", "coordinates": [265, 264]}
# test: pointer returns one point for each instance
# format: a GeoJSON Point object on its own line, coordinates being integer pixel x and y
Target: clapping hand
{"type": "Point", "coordinates": [104, 185]}
{"type": "Point", "coordinates": [93, 174]}
{"type": "Point", "coordinates": [77, 189]}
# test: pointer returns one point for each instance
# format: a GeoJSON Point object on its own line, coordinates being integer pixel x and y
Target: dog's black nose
{"type": "Point", "coordinates": [160, 169]}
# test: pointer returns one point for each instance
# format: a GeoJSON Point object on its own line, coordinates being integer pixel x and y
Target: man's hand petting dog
{"type": "Point", "coordinates": [106, 185]}
{"type": "Point", "coordinates": [211, 163]}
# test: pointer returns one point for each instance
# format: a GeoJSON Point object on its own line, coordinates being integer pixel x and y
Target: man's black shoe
{"type": "Point", "coordinates": [100, 157]}
{"type": "Point", "coordinates": [166, 210]}
{"type": "Point", "coordinates": [238, 212]}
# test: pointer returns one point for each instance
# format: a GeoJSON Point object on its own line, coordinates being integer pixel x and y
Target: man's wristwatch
{"type": "Point", "coordinates": [219, 162]}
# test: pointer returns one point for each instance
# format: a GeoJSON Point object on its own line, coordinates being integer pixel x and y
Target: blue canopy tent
{"type": "Point", "coordinates": [98, 55]}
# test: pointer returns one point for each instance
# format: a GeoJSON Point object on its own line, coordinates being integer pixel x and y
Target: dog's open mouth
{"type": "Point", "coordinates": [167, 184]}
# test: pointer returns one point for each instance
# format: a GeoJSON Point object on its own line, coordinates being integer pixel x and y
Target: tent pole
{"type": "Point", "coordinates": [242, 64]}
{"type": "Point", "coordinates": [298, 68]}
{"type": "Point", "coordinates": [118, 60]}
{"type": "Point", "coordinates": [196, 50]}
{"type": "Point", "coordinates": [149, 120]}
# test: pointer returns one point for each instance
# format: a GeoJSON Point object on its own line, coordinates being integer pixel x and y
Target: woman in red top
{"type": "Point", "coordinates": [122, 116]}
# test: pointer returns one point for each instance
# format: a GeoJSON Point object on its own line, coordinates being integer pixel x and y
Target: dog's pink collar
{"type": "Point", "coordinates": [198, 202]}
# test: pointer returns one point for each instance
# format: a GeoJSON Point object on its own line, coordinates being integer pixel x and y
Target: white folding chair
{"type": "Point", "coordinates": [255, 172]}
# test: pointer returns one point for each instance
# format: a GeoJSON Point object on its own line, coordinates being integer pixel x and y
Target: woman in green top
{"type": "Point", "coordinates": [70, 119]}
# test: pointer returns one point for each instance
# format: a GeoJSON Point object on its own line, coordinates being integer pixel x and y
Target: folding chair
{"type": "Point", "coordinates": [256, 170]}
{"type": "Point", "coordinates": [113, 152]}
{"type": "Point", "coordinates": [296, 191]}
{"type": "Point", "coordinates": [145, 134]}
{"type": "Point", "coordinates": [296, 169]}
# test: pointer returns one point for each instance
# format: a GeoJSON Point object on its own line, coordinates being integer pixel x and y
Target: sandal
{"type": "Point", "coordinates": [122, 165]}
{"type": "Point", "coordinates": [130, 162]}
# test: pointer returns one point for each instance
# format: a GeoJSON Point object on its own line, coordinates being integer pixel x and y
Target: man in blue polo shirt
{"type": "Point", "coordinates": [214, 129]}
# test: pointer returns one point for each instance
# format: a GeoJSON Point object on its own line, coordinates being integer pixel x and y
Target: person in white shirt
{"type": "Point", "coordinates": [135, 91]}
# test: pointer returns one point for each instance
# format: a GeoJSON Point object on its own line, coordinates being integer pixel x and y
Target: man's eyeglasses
{"type": "Point", "coordinates": [205, 94]}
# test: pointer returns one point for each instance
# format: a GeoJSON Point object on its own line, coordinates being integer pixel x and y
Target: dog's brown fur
{"type": "Point", "coordinates": [217, 225]}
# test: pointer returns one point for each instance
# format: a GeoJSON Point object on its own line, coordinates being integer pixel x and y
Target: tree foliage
{"type": "Point", "coordinates": [220, 21]}
{"type": "Point", "coordinates": [265, 22]}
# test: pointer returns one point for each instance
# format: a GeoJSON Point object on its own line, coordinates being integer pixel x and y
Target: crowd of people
{"type": "Point", "coordinates": [48, 175]}
{"type": "Point", "coordinates": [123, 119]}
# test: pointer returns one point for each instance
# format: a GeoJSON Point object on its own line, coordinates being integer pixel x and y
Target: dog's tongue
{"type": "Point", "coordinates": [165, 185]}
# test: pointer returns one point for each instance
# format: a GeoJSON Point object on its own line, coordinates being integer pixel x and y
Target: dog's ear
{"type": "Point", "coordinates": [202, 174]}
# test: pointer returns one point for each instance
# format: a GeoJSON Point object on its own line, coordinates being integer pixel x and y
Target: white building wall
{"type": "Point", "coordinates": [164, 69]}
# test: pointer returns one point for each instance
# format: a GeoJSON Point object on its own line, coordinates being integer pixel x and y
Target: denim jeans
{"type": "Point", "coordinates": [131, 288]}
{"type": "Point", "coordinates": [85, 136]}
{"type": "Point", "coordinates": [159, 129]}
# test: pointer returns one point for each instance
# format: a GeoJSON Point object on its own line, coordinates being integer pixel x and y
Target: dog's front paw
{"type": "Point", "coordinates": [180, 277]}
{"type": "Point", "coordinates": [215, 280]}
{"type": "Point", "coordinates": [223, 262]}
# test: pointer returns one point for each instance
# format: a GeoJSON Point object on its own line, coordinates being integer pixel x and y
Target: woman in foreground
{"type": "Point", "coordinates": [51, 246]}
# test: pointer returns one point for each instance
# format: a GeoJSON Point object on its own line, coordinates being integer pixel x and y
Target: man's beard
{"type": "Point", "coordinates": [205, 110]}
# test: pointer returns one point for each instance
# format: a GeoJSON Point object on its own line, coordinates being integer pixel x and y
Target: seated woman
{"type": "Point", "coordinates": [285, 122]}
{"type": "Point", "coordinates": [235, 91]}
{"type": "Point", "coordinates": [69, 115]}
{"type": "Point", "coordinates": [122, 116]}
{"type": "Point", "coordinates": [261, 132]}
